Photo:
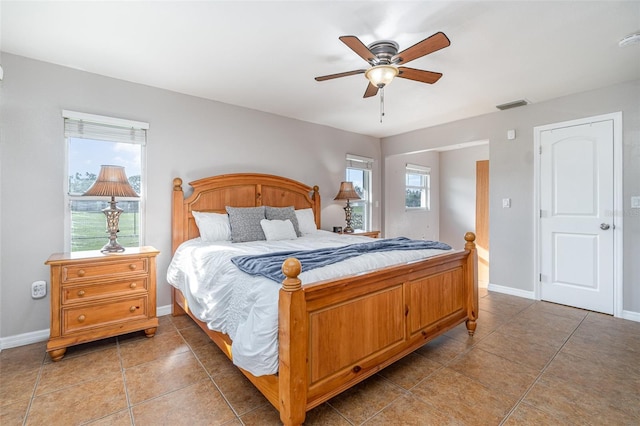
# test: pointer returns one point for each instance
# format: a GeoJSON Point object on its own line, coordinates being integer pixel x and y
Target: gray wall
{"type": "Point", "coordinates": [189, 138]}
{"type": "Point", "coordinates": [512, 169]}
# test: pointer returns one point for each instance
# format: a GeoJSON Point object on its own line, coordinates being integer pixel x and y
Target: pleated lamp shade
{"type": "Point", "coordinates": [111, 182]}
{"type": "Point", "coordinates": [347, 192]}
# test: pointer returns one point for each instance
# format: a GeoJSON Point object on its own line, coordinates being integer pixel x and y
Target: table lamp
{"type": "Point", "coordinates": [112, 182]}
{"type": "Point", "coordinates": [347, 192]}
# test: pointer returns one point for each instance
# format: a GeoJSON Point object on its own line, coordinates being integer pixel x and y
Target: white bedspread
{"type": "Point", "coordinates": [246, 307]}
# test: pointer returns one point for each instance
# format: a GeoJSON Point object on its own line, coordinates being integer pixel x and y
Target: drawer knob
{"type": "Point", "coordinates": [81, 318]}
{"type": "Point", "coordinates": [133, 285]}
{"type": "Point", "coordinates": [80, 293]}
{"type": "Point", "coordinates": [132, 309]}
{"type": "Point", "coordinates": [81, 272]}
{"type": "Point", "coordinates": [133, 266]}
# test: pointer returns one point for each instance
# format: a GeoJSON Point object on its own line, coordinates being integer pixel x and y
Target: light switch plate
{"type": "Point", "coordinates": [506, 203]}
{"type": "Point", "coordinates": [635, 202]}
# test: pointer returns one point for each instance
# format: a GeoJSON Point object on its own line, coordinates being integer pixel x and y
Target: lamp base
{"type": "Point", "coordinates": [112, 247]}
{"type": "Point", "coordinates": [347, 212]}
{"type": "Point", "coordinates": [113, 215]}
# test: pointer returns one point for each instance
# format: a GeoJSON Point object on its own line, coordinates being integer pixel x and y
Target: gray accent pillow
{"type": "Point", "coordinates": [245, 223]}
{"type": "Point", "coordinates": [283, 213]}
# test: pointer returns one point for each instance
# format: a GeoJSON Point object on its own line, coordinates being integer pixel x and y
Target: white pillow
{"type": "Point", "coordinates": [213, 226]}
{"type": "Point", "coordinates": [306, 221]}
{"type": "Point", "coordinates": [276, 229]}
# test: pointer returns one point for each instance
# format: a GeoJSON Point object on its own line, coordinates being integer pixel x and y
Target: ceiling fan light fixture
{"type": "Point", "coordinates": [633, 38]}
{"type": "Point", "coordinates": [381, 75]}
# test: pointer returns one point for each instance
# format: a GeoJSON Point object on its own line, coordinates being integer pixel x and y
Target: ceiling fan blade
{"type": "Point", "coordinates": [371, 91]}
{"type": "Point", "coordinates": [357, 46]}
{"type": "Point", "coordinates": [341, 74]}
{"type": "Point", "coordinates": [419, 75]}
{"type": "Point", "coordinates": [428, 45]}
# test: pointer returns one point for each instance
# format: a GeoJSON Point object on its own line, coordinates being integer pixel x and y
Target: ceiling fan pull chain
{"type": "Point", "coordinates": [381, 103]}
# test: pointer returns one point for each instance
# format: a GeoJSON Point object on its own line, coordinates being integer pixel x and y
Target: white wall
{"type": "Point", "coordinates": [189, 137]}
{"type": "Point", "coordinates": [511, 176]}
{"type": "Point", "coordinates": [458, 192]}
{"type": "Point", "coordinates": [418, 224]}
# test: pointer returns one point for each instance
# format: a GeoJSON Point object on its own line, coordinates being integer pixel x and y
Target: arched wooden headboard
{"type": "Point", "coordinates": [213, 194]}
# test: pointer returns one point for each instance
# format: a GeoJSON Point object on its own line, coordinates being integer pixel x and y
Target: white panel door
{"type": "Point", "coordinates": [576, 216]}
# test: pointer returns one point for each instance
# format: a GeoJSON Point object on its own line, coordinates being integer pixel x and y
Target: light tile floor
{"type": "Point", "coordinates": [529, 363]}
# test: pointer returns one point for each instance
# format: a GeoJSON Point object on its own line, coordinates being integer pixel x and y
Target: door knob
{"type": "Point", "coordinates": [604, 226]}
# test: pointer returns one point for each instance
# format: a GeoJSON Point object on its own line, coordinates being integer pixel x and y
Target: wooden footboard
{"type": "Point", "coordinates": [335, 334]}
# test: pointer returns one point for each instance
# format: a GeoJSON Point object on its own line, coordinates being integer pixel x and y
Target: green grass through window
{"type": "Point", "coordinates": [89, 230]}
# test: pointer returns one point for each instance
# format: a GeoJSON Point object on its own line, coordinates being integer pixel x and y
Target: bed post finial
{"type": "Point", "coordinates": [177, 184]}
{"type": "Point", "coordinates": [470, 237]}
{"type": "Point", "coordinates": [291, 269]}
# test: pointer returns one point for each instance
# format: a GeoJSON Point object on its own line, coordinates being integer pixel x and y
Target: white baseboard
{"type": "Point", "coordinates": [630, 315]}
{"type": "Point", "coordinates": [43, 335]}
{"type": "Point", "coordinates": [163, 310]}
{"type": "Point", "coordinates": [511, 291]}
{"type": "Point", "coordinates": [24, 339]}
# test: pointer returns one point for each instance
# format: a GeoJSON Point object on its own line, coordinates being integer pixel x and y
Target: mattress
{"type": "Point", "coordinates": [244, 306]}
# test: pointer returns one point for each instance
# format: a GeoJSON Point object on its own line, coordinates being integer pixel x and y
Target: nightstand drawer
{"type": "Point", "coordinates": [77, 272]}
{"type": "Point", "coordinates": [80, 293]}
{"type": "Point", "coordinates": [82, 317]}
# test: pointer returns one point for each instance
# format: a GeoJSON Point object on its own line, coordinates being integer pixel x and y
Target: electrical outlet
{"type": "Point", "coordinates": [38, 289]}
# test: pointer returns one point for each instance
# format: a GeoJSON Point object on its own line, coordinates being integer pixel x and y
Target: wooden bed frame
{"type": "Point", "coordinates": [334, 334]}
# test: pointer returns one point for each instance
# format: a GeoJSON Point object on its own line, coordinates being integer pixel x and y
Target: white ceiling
{"type": "Point", "coordinates": [264, 55]}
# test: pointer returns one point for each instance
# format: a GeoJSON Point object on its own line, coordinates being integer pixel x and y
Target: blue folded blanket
{"type": "Point", "coordinates": [270, 264]}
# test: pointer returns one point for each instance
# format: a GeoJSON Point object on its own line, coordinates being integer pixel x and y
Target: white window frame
{"type": "Point", "coordinates": [365, 164]}
{"type": "Point", "coordinates": [137, 131]}
{"type": "Point", "coordinates": [425, 189]}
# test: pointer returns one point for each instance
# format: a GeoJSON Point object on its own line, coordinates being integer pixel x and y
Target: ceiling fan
{"type": "Point", "coordinates": [384, 59]}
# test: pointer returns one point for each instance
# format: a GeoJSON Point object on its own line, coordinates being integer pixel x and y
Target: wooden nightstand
{"type": "Point", "coordinates": [95, 295]}
{"type": "Point", "coordinates": [372, 234]}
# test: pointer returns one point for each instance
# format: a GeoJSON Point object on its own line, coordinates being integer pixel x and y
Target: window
{"type": "Point", "coordinates": [92, 141]}
{"type": "Point", "coordinates": [358, 171]}
{"type": "Point", "coordinates": [418, 187]}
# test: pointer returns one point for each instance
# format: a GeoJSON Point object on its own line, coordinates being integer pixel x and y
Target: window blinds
{"type": "Point", "coordinates": [89, 126]}
{"type": "Point", "coordinates": [417, 169]}
{"type": "Point", "coordinates": [359, 162]}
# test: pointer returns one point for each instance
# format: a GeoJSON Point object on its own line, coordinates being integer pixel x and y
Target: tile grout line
{"type": "Point", "coordinates": [173, 390]}
{"type": "Point", "coordinates": [124, 382]}
{"type": "Point", "coordinates": [211, 378]}
{"type": "Point", "coordinates": [403, 392]}
{"type": "Point", "coordinates": [339, 413]}
{"type": "Point", "coordinates": [35, 387]}
{"type": "Point", "coordinates": [539, 376]}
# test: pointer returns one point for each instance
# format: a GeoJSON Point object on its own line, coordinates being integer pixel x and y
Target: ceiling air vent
{"type": "Point", "coordinates": [514, 104]}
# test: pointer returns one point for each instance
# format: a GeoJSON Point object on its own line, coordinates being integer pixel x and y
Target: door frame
{"type": "Point", "coordinates": [618, 203]}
